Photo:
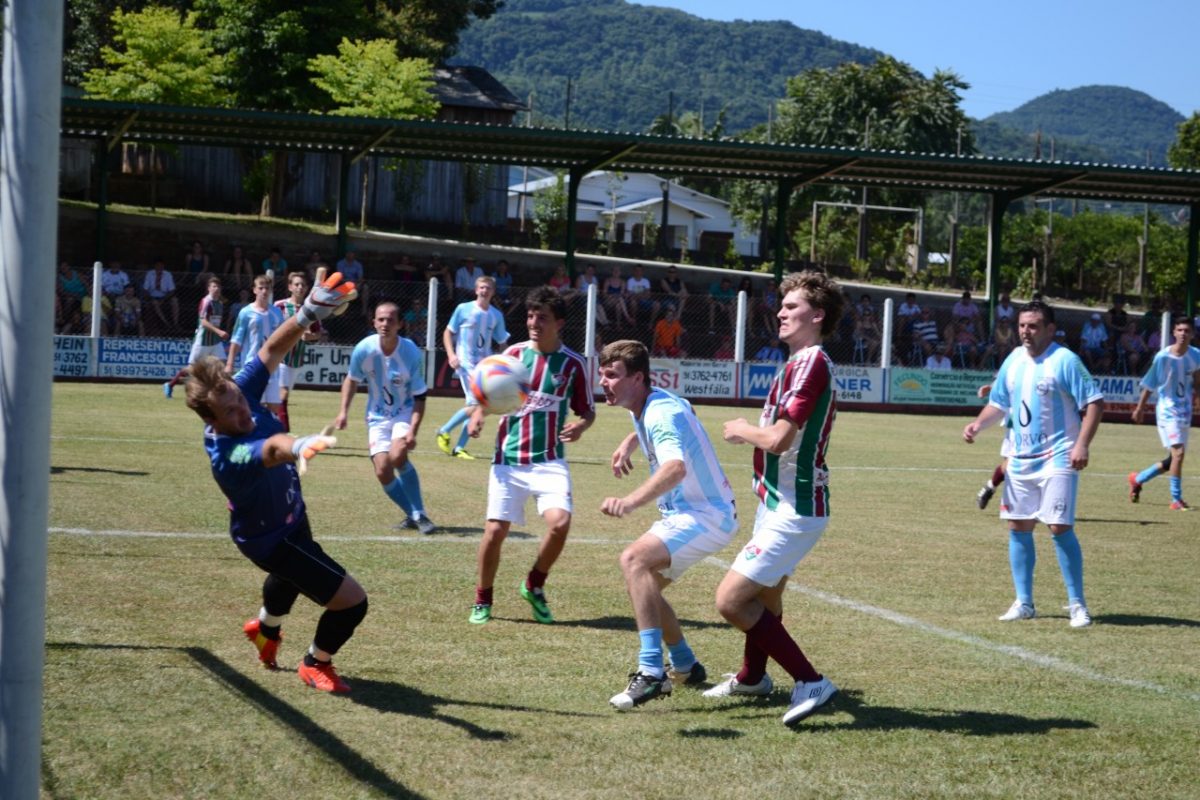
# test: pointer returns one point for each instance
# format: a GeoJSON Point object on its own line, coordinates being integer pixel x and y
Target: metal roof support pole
{"type": "Point", "coordinates": [1192, 268]}
{"type": "Point", "coordinates": [343, 201]}
{"type": "Point", "coordinates": [997, 205]}
{"type": "Point", "coordinates": [575, 176]}
{"type": "Point", "coordinates": [102, 152]}
{"type": "Point", "coordinates": [783, 198]}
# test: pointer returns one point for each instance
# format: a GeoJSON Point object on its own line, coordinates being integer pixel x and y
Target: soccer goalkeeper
{"type": "Point", "coordinates": [258, 466]}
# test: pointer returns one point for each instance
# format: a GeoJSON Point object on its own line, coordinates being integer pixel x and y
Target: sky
{"type": "Point", "coordinates": [1010, 52]}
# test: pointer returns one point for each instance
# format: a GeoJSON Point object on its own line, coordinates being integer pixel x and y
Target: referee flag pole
{"type": "Point", "coordinates": [31, 85]}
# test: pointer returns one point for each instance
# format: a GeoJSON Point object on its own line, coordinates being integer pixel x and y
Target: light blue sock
{"type": "Point", "coordinates": [462, 438]}
{"type": "Point", "coordinates": [459, 418]}
{"type": "Point", "coordinates": [412, 487]}
{"type": "Point", "coordinates": [1070, 561]}
{"type": "Point", "coordinates": [650, 657]}
{"type": "Point", "coordinates": [682, 657]}
{"type": "Point", "coordinates": [1149, 472]}
{"type": "Point", "coordinates": [1176, 488]}
{"type": "Point", "coordinates": [1021, 558]}
{"type": "Point", "coordinates": [395, 490]}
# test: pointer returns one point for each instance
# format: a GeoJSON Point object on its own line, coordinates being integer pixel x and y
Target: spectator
{"type": "Point", "coordinates": [503, 299]}
{"type": "Point", "coordinates": [721, 298]}
{"type": "Point", "coordinates": [668, 336]}
{"type": "Point", "coordinates": [1006, 310]}
{"type": "Point", "coordinates": [196, 263]}
{"type": "Point", "coordinates": [113, 280]}
{"type": "Point", "coordinates": [907, 314]}
{"type": "Point", "coordinates": [416, 320]}
{"type": "Point", "coordinates": [1151, 321]}
{"type": "Point", "coordinates": [963, 342]}
{"type": "Point", "coordinates": [925, 333]}
{"type": "Point", "coordinates": [1093, 344]}
{"type": "Point", "coordinates": [85, 315]}
{"type": "Point", "coordinates": [614, 297]}
{"type": "Point", "coordinates": [966, 309]}
{"type": "Point", "coordinates": [1131, 350]}
{"type": "Point", "coordinates": [863, 305]}
{"type": "Point", "coordinates": [1118, 318]}
{"type": "Point", "coordinates": [353, 272]}
{"type": "Point", "coordinates": [768, 307]}
{"type": "Point", "coordinates": [276, 263]}
{"type": "Point", "coordinates": [639, 300]}
{"type": "Point", "coordinates": [586, 279]}
{"type": "Point", "coordinates": [867, 336]}
{"type": "Point", "coordinates": [939, 359]}
{"type": "Point", "coordinates": [70, 289]}
{"type": "Point", "coordinates": [561, 283]}
{"type": "Point", "coordinates": [129, 313]}
{"type": "Point", "coordinates": [672, 286]}
{"type": "Point", "coordinates": [406, 271]}
{"type": "Point", "coordinates": [238, 268]}
{"type": "Point", "coordinates": [312, 265]}
{"type": "Point", "coordinates": [464, 279]}
{"type": "Point", "coordinates": [1004, 340]}
{"type": "Point", "coordinates": [771, 351]}
{"type": "Point", "coordinates": [159, 288]}
{"type": "Point", "coordinates": [236, 307]}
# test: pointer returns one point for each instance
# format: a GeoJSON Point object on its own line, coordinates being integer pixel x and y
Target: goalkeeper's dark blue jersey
{"type": "Point", "coordinates": [265, 504]}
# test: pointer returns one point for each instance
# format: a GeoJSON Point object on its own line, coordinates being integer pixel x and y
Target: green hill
{"type": "Point", "coordinates": [1120, 123]}
{"type": "Point", "coordinates": [625, 60]}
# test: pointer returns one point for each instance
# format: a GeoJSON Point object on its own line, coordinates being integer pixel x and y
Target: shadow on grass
{"type": "Point", "coordinates": [356, 765]}
{"type": "Point", "coordinates": [1141, 522]}
{"type": "Point", "coordinates": [132, 473]}
{"type": "Point", "coordinates": [960, 721]}
{"type": "Point", "coordinates": [1140, 620]}
{"type": "Point", "coordinates": [397, 698]}
{"type": "Point", "coordinates": [710, 733]}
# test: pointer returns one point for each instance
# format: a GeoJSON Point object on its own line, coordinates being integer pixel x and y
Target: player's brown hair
{"type": "Point", "coordinates": [630, 352]}
{"type": "Point", "coordinates": [820, 291]}
{"type": "Point", "coordinates": [205, 377]}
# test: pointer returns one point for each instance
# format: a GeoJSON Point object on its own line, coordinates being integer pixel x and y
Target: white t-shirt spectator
{"type": "Point", "coordinates": [464, 277]}
{"type": "Point", "coordinates": [938, 361]}
{"type": "Point", "coordinates": [158, 284]}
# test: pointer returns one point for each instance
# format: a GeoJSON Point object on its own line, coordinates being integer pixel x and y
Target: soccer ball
{"type": "Point", "coordinates": [500, 384]}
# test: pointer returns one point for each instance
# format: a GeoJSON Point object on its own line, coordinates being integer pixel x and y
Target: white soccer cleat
{"type": "Point", "coordinates": [1018, 610]}
{"type": "Point", "coordinates": [1080, 617]}
{"type": "Point", "coordinates": [730, 686]}
{"type": "Point", "coordinates": [807, 698]}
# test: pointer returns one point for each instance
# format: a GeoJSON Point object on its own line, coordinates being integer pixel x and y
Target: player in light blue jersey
{"type": "Point", "coordinates": [473, 328]}
{"type": "Point", "coordinates": [253, 327]}
{"type": "Point", "coordinates": [1052, 408]}
{"type": "Point", "coordinates": [1173, 377]}
{"type": "Point", "coordinates": [696, 503]}
{"type": "Point", "coordinates": [391, 366]}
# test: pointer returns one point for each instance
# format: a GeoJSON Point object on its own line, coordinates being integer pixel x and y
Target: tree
{"type": "Point", "coordinates": [367, 79]}
{"type": "Point", "coordinates": [1184, 152]}
{"type": "Point", "coordinates": [429, 28]}
{"type": "Point", "coordinates": [162, 58]}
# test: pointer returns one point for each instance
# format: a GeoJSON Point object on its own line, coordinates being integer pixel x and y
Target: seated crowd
{"type": "Point", "coordinates": [674, 319]}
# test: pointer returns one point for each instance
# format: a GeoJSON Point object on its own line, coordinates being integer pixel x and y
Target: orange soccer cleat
{"type": "Point", "coordinates": [323, 676]}
{"type": "Point", "coordinates": [267, 648]}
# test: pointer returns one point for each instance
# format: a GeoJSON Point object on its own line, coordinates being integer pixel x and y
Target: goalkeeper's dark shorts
{"type": "Point", "coordinates": [301, 562]}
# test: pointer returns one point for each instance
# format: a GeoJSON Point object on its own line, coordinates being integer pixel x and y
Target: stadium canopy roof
{"type": "Point", "coordinates": [580, 151]}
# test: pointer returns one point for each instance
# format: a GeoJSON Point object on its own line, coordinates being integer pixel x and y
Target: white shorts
{"type": "Point", "coordinates": [779, 543]}
{"type": "Point", "coordinates": [464, 380]}
{"type": "Point", "coordinates": [199, 351]}
{"type": "Point", "coordinates": [510, 486]}
{"type": "Point", "coordinates": [271, 393]}
{"type": "Point", "coordinates": [1173, 432]}
{"type": "Point", "coordinates": [1047, 496]}
{"type": "Point", "coordinates": [381, 433]}
{"type": "Point", "coordinates": [287, 376]}
{"type": "Point", "coordinates": [689, 538]}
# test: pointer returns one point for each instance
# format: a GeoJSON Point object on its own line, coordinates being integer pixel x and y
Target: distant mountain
{"type": "Point", "coordinates": [625, 61]}
{"type": "Point", "coordinates": [1111, 123]}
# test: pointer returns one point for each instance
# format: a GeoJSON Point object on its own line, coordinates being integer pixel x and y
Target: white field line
{"type": "Point", "coordinates": [1020, 653]}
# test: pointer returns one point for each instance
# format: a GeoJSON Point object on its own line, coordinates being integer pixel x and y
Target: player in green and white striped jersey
{"type": "Point", "coordinates": [288, 306]}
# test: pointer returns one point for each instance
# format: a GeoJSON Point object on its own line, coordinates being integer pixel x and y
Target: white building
{"type": "Point", "coordinates": [621, 204]}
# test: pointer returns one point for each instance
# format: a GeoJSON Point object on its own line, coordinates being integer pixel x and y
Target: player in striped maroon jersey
{"type": "Point", "coordinates": [288, 306]}
{"type": "Point", "coordinates": [529, 452]}
{"type": "Point", "coordinates": [791, 480]}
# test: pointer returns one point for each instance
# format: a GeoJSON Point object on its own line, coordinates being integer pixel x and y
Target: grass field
{"type": "Point", "coordinates": [152, 692]}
